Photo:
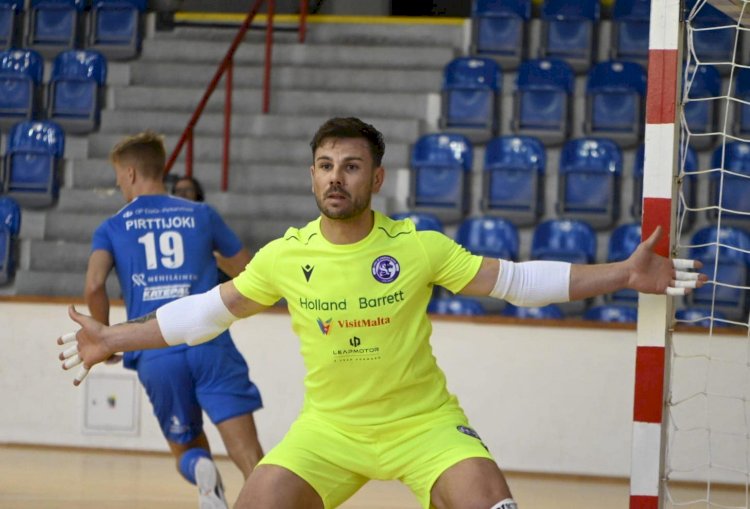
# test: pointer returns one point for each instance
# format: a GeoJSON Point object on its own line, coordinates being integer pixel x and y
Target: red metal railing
{"type": "Point", "coordinates": [226, 69]}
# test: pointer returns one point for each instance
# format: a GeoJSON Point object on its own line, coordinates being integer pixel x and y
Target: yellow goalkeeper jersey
{"type": "Point", "coordinates": [360, 313]}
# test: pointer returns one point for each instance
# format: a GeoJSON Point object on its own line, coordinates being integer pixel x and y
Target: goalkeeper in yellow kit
{"type": "Point", "coordinates": [357, 284]}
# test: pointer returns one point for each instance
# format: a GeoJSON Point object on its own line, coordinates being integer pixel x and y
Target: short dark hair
{"type": "Point", "coordinates": [145, 151]}
{"type": "Point", "coordinates": [351, 127]}
{"type": "Point", "coordinates": [199, 195]}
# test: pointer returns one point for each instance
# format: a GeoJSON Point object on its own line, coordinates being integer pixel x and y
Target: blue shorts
{"type": "Point", "coordinates": [210, 377]}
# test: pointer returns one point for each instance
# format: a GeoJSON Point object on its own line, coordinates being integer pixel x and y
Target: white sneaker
{"type": "Point", "coordinates": [211, 489]}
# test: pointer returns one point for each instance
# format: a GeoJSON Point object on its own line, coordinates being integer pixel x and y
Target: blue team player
{"type": "Point", "coordinates": [162, 248]}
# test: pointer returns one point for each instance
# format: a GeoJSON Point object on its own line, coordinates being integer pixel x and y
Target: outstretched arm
{"type": "Point", "coordinates": [192, 319]}
{"type": "Point", "coordinates": [539, 283]}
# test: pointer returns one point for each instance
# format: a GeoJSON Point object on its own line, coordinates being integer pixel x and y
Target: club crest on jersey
{"type": "Point", "coordinates": [385, 269]}
{"type": "Point", "coordinates": [325, 327]}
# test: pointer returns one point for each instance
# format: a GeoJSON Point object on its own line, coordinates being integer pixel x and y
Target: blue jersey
{"type": "Point", "coordinates": [163, 248]}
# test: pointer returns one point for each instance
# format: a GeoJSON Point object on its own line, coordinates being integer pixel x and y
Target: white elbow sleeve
{"type": "Point", "coordinates": [194, 319]}
{"type": "Point", "coordinates": [536, 283]}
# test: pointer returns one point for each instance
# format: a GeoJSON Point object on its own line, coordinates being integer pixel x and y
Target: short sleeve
{"type": "Point", "coordinates": [101, 240]}
{"type": "Point", "coordinates": [453, 266]}
{"type": "Point", "coordinates": [256, 281]}
{"type": "Point", "coordinates": [225, 240]}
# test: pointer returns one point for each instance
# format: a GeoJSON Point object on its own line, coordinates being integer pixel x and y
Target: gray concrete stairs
{"type": "Point", "coordinates": [385, 74]}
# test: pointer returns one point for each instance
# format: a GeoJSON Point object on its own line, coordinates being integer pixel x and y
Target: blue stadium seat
{"type": "Point", "coordinates": [725, 253]}
{"type": "Point", "coordinates": [489, 236]}
{"type": "Point", "coordinates": [10, 226]}
{"type": "Point", "coordinates": [471, 97]}
{"type": "Point", "coordinates": [456, 305]}
{"type": "Point", "coordinates": [11, 26]}
{"type": "Point", "coordinates": [543, 101]}
{"type": "Point", "coordinates": [32, 163]}
{"type": "Point", "coordinates": [549, 312]}
{"type": "Point", "coordinates": [564, 240]}
{"type": "Point", "coordinates": [115, 28]}
{"type": "Point", "coordinates": [499, 30]}
{"type": "Point", "coordinates": [21, 73]}
{"type": "Point", "coordinates": [615, 101]}
{"type": "Point", "coordinates": [569, 30]}
{"type": "Point", "coordinates": [714, 36]}
{"type": "Point", "coordinates": [54, 25]}
{"type": "Point", "coordinates": [689, 183]}
{"type": "Point", "coordinates": [422, 220]}
{"type": "Point", "coordinates": [742, 111]}
{"type": "Point", "coordinates": [513, 182]}
{"type": "Point", "coordinates": [701, 317]}
{"type": "Point", "coordinates": [10, 215]}
{"type": "Point", "coordinates": [589, 181]}
{"type": "Point", "coordinates": [440, 168]}
{"type": "Point", "coordinates": [612, 314]}
{"type": "Point", "coordinates": [730, 180]}
{"type": "Point", "coordinates": [630, 26]}
{"type": "Point", "coordinates": [701, 106]}
{"type": "Point", "coordinates": [76, 88]}
{"type": "Point", "coordinates": [622, 242]}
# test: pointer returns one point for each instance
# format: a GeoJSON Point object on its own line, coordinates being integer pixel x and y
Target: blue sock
{"type": "Point", "coordinates": [188, 460]}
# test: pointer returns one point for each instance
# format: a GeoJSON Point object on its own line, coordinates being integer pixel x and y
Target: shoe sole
{"type": "Point", "coordinates": [206, 477]}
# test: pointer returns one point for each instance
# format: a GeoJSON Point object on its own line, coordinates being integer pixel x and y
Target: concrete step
{"type": "Point", "coordinates": [59, 283]}
{"type": "Point", "coordinates": [294, 54]}
{"type": "Point", "coordinates": [102, 201]}
{"type": "Point", "coordinates": [284, 102]}
{"type": "Point", "coordinates": [291, 77]}
{"type": "Point", "coordinates": [282, 151]}
{"type": "Point", "coordinates": [58, 256]}
{"type": "Point", "coordinates": [243, 124]}
{"type": "Point", "coordinates": [72, 226]}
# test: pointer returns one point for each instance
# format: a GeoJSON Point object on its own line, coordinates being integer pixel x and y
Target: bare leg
{"type": "Point", "coordinates": [241, 440]}
{"type": "Point", "coordinates": [474, 483]}
{"type": "Point", "coordinates": [274, 487]}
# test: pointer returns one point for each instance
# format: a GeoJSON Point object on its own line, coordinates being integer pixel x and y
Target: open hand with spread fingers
{"type": "Point", "coordinates": [650, 272]}
{"type": "Point", "coordinates": [86, 347]}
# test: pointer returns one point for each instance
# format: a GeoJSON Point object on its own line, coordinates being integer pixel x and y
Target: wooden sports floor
{"type": "Point", "coordinates": [52, 478]}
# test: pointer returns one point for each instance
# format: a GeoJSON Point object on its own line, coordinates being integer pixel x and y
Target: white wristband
{"type": "Point", "coordinates": [535, 283]}
{"type": "Point", "coordinates": [194, 319]}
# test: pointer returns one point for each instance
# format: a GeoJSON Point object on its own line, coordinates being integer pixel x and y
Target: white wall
{"type": "Point", "coordinates": [543, 399]}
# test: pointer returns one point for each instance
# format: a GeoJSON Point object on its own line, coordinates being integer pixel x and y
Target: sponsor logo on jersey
{"type": "Point", "coordinates": [469, 431]}
{"type": "Point", "coordinates": [322, 305]}
{"type": "Point", "coordinates": [385, 269]}
{"type": "Point", "coordinates": [376, 302]}
{"type": "Point", "coordinates": [325, 326]}
{"type": "Point", "coordinates": [139, 279]}
{"type": "Point", "coordinates": [307, 270]}
{"type": "Point", "coordinates": [165, 292]}
{"type": "Point", "coordinates": [364, 322]}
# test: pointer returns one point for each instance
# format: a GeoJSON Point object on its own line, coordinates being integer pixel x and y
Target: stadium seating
{"type": "Point", "coordinates": [612, 313]}
{"type": "Point", "coordinates": [700, 110]}
{"type": "Point", "coordinates": [564, 240]}
{"type": "Point", "coordinates": [11, 25]}
{"type": "Point", "coordinates": [742, 110]}
{"type": "Point", "coordinates": [589, 181]}
{"type": "Point", "coordinates": [549, 312]}
{"type": "Point", "coordinates": [32, 163]}
{"type": "Point", "coordinates": [622, 242]}
{"type": "Point", "coordinates": [422, 220]}
{"type": "Point", "coordinates": [76, 88]}
{"type": "Point", "coordinates": [499, 29]}
{"type": "Point", "coordinates": [689, 184]}
{"type": "Point", "coordinates": [701, 317]}
{"type": "Point", "coordinates": [513, 179]}
{"type": "Point", "coordinates": [615, 101]}
{"type": "Point", "coordinates": [471, 97]}
{"type": "Point", "coordinates": [630, 26]}
{"type": "Point", "coordinates": [440, 168]}
{"type": "Point", "coordinates": [714, 36]}
{"type": "Point", "coordinates": [10, 226]}
{"type": "Point", "coordinates": [115, 28]}
{"type": "Point", "coordinates": [730, 180]}
{"type": "Point", "coordinates": [489, 236]}
{"type": "Point", "coordinates": [543, 100]}
{"type": "Point", "coordinates": [569, 30]}
{"type": "Point", "coordinates": [725, 253]}
{"type": "Point", "coordinates": [456, 305]}
{"type": "Point", "coordinates": [21, 73]}
{"type": "Point", "coordinates": [54, 25]}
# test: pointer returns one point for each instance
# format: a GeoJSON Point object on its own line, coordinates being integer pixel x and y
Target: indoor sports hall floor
{"type": "Point", "coordinates": [51, 478]}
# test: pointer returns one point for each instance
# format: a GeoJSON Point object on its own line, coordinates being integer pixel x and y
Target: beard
{"type": "Point", "coordinates": [353, 208]}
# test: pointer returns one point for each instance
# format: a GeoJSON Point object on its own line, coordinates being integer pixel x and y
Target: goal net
{"type": "Point", "coordinates": [705, 433]}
